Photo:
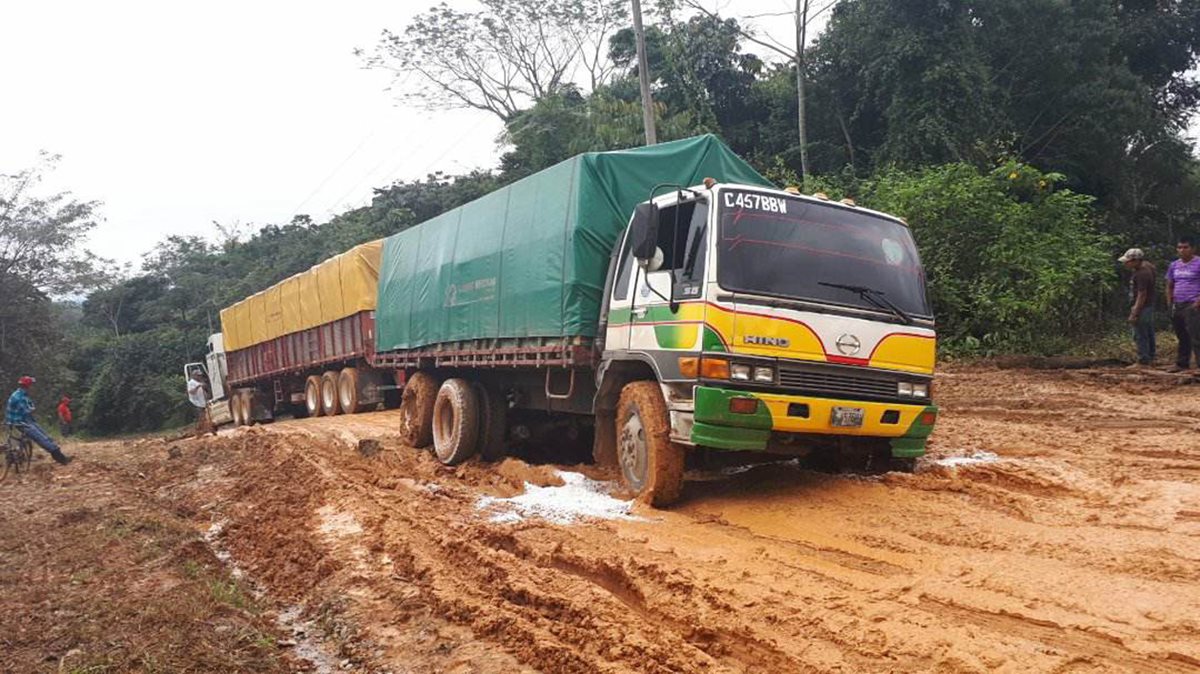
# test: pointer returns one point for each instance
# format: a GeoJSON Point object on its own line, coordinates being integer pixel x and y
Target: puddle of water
{"type": "Point", "coordinates": [972, 460]}
{"type": "Point", "coordinates": [305, 647]}
{"type": "Point", "coordinates": [578, 498]}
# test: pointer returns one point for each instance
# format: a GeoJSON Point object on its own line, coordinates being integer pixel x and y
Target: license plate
{"type": "Point", "coordinates": [847, 417]}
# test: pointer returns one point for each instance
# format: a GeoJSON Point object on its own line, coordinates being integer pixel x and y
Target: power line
{"type": "Point", "coordinates": [332, 173]}
{"type": "Point", "coordinates": [392, 172]}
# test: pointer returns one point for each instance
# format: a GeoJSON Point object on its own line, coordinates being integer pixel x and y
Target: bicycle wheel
{"type": "Point", "coordinates": [26, 453]}
{"type": "Point", "coordinates": [12, 459]}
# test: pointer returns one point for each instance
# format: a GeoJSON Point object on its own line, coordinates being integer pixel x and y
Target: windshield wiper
{"type": "Point", "coordinates": [876, 297]}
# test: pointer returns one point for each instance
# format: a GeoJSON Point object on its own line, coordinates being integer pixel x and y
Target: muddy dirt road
{"type": "Point", "coordinates": [1055, 528]}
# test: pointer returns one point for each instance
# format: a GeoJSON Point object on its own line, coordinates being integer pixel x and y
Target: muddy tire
{"type": "Point", "coordinates": [235, 410]}
{"type": "Point", "coordinates": [902, 465]}
{"type": "Point", "coordinates": [312, 396]}
{"type": "Point", "coordinates": [493, 422]}
{"type": "Point", "coordinates": [350, 391]}
{"type": "Point", "coordinates": [330, 404]}
{"type": "Point", "coordinates": [416, 410]}
{"type": "Point", "coordinates": [246, 405]}
{"type": "Point", "coordinates": [651, 465]}
{"type": "Point", "coordinates": [455, 422]}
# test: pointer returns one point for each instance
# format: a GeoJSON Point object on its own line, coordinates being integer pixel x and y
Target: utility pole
{"type": "Point", "coordinates": [801, 28]}
{"type": "Point", "coordinates": [644, 75]}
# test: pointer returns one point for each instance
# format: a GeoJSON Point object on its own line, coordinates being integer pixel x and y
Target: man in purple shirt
{"type": "Point", "coordinates": [1183, 294]}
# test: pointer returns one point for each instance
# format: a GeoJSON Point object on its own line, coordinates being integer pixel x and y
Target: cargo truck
{"type": "Point", "coordinates": [666, 301]}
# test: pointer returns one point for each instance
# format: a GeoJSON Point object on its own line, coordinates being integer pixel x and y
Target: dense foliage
{"type": "Point", "coordinates": [1026, 141]}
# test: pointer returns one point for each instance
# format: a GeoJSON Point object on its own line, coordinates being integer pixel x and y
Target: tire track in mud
{"type": "Point", "coordinates": [496, 591]}
{"type": "Point", "coordinates": [526, 605]}
{"type": "Point", "coordinates": [745, 649]}
{"type": "Point", "coordinates": [483, 579]}
{"type": "Point", "coordinates": [843, 558]}
{"type": "Point", "coordinates": [1067, 639]}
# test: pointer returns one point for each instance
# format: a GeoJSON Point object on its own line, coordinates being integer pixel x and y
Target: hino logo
{"type": "Point", "coordinates": [780, 342]}
{"type": "Point", "coordinates": [848, 344]}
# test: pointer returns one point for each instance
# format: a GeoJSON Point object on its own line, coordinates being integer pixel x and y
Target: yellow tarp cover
{"type": "Point", "coordinates": [258, 318]}
{"type": "Point", "coordinates": [229, 326]}
{"type": "Point", "coordinates": [339, 287]}
{"type": "Point", "coordinates": [289, 300]}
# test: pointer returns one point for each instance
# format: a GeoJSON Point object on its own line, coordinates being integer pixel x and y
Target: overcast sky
{"type": "Point", "coordinates": [176, 115]}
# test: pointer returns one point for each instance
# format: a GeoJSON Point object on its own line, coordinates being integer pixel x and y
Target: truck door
{"type": "Point", "coordinates": [215, 360]}
{"type": "Point", "coordinates": [683, 240]}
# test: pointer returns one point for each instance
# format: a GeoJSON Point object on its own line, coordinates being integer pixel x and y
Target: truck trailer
{"type": "Point", "coordinates": [666, 301]}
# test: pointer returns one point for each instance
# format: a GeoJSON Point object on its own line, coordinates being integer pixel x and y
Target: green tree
{"type": "Point", "coordinates": [40, 255]}
{"type": "Point", "coordinates": [136, 383]}
{"type": "Point", "coordinates": [564, 125]}
{"type": "Point", "coordinates": [1097, 90]}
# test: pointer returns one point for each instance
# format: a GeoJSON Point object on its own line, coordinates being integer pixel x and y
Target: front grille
{"type": "Point", "coordinates": [838, 383]}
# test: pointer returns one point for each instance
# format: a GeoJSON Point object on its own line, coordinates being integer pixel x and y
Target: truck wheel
{"type": "Point", "coordinates": [349, 392]}
{"type": "Point", "coordinates": [235, 410]}
{"type": "Point", "coordinates": [455, 422]}
{"type": "Point", "coordinates": [493, 421]}
{"type": "Point", "coordinates": [651, 465]}
{"type": "Point", "coordinates": [329, 394]}
{"type": "Point", "coordinates": [416, 410]}
{"type": "Point", "coordinates": [312, 396]}
{"type": "Point", "coordinates": [246, 404]}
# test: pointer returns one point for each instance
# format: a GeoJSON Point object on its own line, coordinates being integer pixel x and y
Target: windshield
{"type": "Point", "coordinates": [788, 247]}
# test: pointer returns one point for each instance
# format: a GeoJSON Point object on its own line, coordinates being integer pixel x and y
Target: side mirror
{"type": "Point", "coordinates": [643, 231]}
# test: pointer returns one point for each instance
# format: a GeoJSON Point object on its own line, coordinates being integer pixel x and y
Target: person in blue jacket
{"type": "Point", "coordinates": [19, 415]}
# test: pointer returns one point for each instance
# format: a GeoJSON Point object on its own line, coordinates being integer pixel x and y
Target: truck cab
{"type": "Point", "coordinates": [215, 370]}
{"type": "Point", "coordinates": [772, 321]}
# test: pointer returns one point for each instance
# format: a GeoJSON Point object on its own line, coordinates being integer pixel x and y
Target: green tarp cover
{"type": "Point", "coordinates": [530, 259]}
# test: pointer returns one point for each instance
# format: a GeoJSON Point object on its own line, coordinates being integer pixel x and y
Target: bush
{"type": "Point", "coordinates": [1013, 264]}
{"type": "Point", "coordinates": [138, 384]}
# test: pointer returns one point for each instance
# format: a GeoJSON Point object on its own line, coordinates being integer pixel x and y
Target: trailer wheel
{"type": "Point", "coordinates": [330, 404]}
{"type": "Point", "coordinates": [312, 396]}
{"type": "Point", "coordinates": [416, 410]}
{"type": "Point", "coordinates": [493, 421]}
{"type": "Point", "coordinates": [246, 407]}
{"type": "Point", "coordinates": [455, 422]}
{"type": "Point", "coordinates": [350, 391]}
{"type": "Point", "coordinates": [235, 410]}
{"type": "Point", "coordinates": [651, 465]}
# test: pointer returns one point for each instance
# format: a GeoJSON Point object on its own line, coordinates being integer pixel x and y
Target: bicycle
{"type": "Point", "coordinates": [18, 452]}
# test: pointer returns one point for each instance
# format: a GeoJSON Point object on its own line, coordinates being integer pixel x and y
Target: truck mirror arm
{"type": "Point", "coordinates": [669, 300]}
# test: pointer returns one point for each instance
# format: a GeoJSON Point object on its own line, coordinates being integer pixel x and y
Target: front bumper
{"type": "Point", "coordinates": [716, 426]}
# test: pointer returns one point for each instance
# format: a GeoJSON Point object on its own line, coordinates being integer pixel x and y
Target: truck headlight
{"type": "Point", "coordinates": [904, 389]}
{"type": "Point", "coordinates": [764, 375]}
{"type": "Point", "coordinates": [920, 390]}
{"type": "Point", "coordinates": [739, 372]}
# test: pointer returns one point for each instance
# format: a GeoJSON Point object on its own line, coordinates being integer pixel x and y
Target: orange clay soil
{"type": "Point", "coordinates": [1073, 546]}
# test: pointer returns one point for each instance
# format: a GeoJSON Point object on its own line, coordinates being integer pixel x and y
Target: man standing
{"type": "Point", "coordinates": [64, 416]}
{"type": "Point", "coordinates": [197, 389]}
{"type": "Point", "coordinates": [1141, 297]}
{"type": "Point", "coordinates": [19, 415]}
{"type": "Point", "coordinates": [1183, 294]}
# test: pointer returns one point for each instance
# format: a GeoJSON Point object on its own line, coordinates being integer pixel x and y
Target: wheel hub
{"type": "Point", "coordinates": [631, 451]}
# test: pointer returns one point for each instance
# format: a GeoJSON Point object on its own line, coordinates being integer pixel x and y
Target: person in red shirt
{"type": "Point", "coordinates": [64, 416]}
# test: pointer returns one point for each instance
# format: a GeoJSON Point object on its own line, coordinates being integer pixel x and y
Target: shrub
{"type": "Point", "coordinates": [138, 385]}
